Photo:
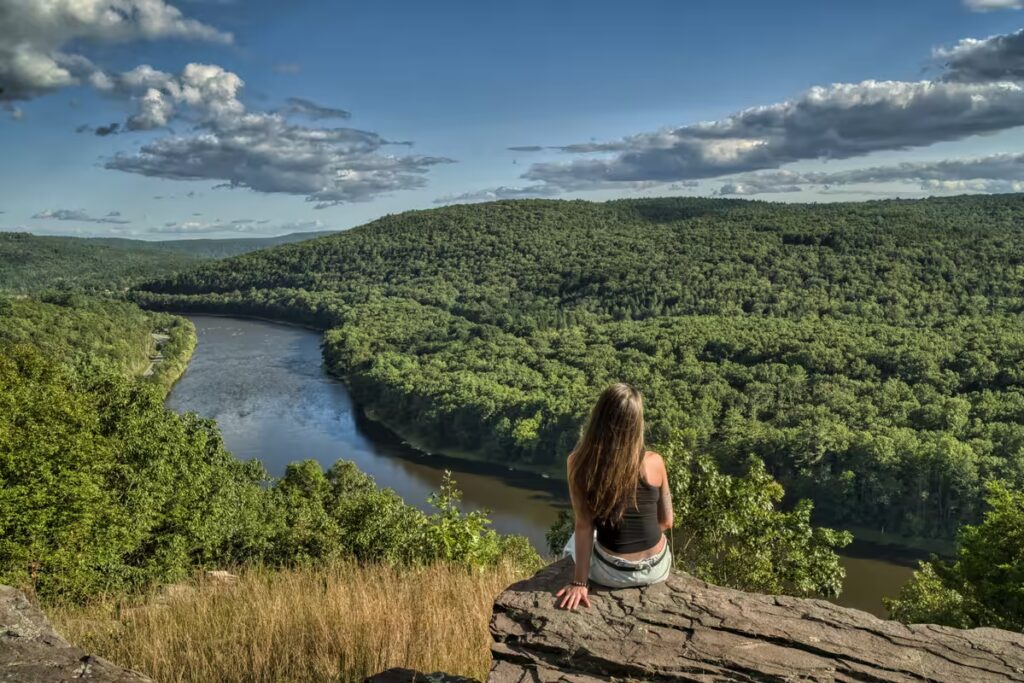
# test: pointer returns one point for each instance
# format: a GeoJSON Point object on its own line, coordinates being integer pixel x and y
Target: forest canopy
{"type": "Point", "coordinates": [868, 353]}
{"type": "Point", "coordinates": [103, 490]}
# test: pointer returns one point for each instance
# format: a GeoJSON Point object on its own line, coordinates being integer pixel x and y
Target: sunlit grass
{"type": "Point", "coordinates": [340, 623]}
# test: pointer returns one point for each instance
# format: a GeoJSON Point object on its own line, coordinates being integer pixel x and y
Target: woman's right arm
{"type": "Point", "coordinates": [574, 594]}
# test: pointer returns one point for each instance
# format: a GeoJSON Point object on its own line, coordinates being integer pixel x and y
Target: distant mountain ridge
{"type": "Point", "coordinates": [31, 262]}
{"type": "Point", "coordinates": [211, 247]}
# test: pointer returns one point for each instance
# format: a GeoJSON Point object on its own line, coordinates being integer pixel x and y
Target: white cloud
{"type": "Point", "coordinates": [995, 173]}
{"type": "Point", "coordinates": [36, 38]}
{"type": "Point", "coordinates": [238, 225]}
{"type": "Point", "coordinates": [496, 193]}
{"type": "Point", "coordinates": [303, 107]}
{"type": "Point", "coordinates": [80, 216]}
{"type": "Point", "coordinates": [267, 153]}
{"type": "Point", "coordinates": [989, 5]}
{"type": "Point", "coordinates": [980, 90]}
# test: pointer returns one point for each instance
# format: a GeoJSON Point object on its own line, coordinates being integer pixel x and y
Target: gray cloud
{"type": "Point", "coordinates": [838, 121]}
{"type": "Point", "coordinates": [262, 151]}
{"type": "Point", "coordinates": [998, 58]}
{"type": "Point", "coordinates": [526, 148]}
{"type": "Point", "coordinates": [980, 91]}
{"type": "Point", "coordinates": [995, 173]}
{"type": "Point", "coordinates": [34, 37]}
{"type": "Point", "coordinates": [989, 5]}
{"type": "Point", "coordinates": [303, 107]}
{"type": "Point", "coordinates": [287, 68]}
{"type": "Point", "coordinates": [80, 216]}
{"type": "Point", "coordinates": [102, 131]}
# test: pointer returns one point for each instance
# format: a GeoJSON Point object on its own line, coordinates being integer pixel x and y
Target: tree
{"type": "Point", "coordinates": [984, 586]}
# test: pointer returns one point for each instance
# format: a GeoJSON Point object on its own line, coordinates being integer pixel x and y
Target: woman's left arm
{"type": "Point", "coordinates": [666, 516]}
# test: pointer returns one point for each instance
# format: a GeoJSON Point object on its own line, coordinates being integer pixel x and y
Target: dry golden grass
{"type": "Point", "coordinates": [336, 624]}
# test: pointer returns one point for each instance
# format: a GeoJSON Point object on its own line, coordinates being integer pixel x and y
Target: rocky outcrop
{"type": "Point", "coordinates": [32, 652]}
{"type": "Point", "coordinates": [688, 630]}
{"type": "Point", "coordinates": [399, 675]}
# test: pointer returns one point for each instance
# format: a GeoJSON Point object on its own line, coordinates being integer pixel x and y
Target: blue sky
{"type": "Point", "coordinates": [155, 119]}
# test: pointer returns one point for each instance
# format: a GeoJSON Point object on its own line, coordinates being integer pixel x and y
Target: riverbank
{"type": "Point", "coordinates": [408, 433]}
{"type": "Point", "coordinates": [905, 551]}
{"type": "Point", "coordinates": [171, 345]}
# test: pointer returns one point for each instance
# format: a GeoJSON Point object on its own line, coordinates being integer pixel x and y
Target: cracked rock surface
{"type": "Point", "coordinates": [688, 630]}
{"type": "Point", "coordinates": [31, 651]}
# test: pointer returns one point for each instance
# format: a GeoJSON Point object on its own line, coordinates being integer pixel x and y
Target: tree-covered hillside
{"type": "Point", "coordinates": [32, 263]}
{"type": "Point", "coordinates": [104, 491]}
{"type": "Point", "coordinates": [869, 353]}
{"type": "Point", "coordinates": [97, 335]}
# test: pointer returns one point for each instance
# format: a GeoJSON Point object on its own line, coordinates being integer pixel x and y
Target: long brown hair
{"type": "Point", "coordinates": [605, 465]}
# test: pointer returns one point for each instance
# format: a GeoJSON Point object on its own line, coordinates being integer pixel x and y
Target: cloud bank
{"type": "Point", "coordinates": [980, 90]}
{"type": "Point", "coordinates": [226, 143]}
{"type": "Point", "coordinates": [238, 225]}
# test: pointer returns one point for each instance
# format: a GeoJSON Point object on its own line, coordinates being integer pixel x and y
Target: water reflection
{"type": "Point", "coordinates": [265, 385]}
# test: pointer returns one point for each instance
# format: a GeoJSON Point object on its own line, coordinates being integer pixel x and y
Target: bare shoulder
{"type": "Point", "coordinates": [654, 468]}
{"type": "Point", "coordinates": [654, 458]}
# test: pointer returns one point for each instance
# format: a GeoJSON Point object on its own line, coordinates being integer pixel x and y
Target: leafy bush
{"type": "Point", "coordinates": [984, 585]}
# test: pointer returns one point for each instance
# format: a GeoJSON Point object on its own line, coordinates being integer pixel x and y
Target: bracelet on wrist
{"type": "Point", "coordinates": [581, 584]}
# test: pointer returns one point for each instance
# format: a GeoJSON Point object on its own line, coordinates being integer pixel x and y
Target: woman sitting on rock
{"type": "Point", "coordinates": [620, 499]}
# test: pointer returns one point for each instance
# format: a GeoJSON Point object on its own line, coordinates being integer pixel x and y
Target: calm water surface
{"type": "Point", "coordinates": [265, 385]}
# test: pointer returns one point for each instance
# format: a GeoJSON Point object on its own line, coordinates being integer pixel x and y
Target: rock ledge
{"type": "Point", "coordinates": [688, 630]}
{"type": "Point", "coordinates": [32, 652]}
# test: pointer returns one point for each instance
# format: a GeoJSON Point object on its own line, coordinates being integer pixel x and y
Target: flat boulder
{"type": "Point", "coordinates": [32, 652]}
{"type": "Point", "coordinates": [689, 630]}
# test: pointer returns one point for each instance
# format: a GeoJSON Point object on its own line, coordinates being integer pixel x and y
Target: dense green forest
{"type": "Point", "coordinates": [32, 263]}
{"type": "Point", "coordinates": [99, 335]}
{"type": "Point", "coordinates": [868, 353]}
{"type": "Point", "coordinates": [103, 490]}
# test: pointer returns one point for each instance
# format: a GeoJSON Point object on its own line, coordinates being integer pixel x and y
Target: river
{"type": "Point", "coordinates": [265, 385]}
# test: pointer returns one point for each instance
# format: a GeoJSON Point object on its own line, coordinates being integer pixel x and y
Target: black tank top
{"type": "Point", "coordinates": [638, 529]}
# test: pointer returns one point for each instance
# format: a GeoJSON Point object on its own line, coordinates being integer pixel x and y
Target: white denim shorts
{"type": "Point", "coordinates": [615, 572]}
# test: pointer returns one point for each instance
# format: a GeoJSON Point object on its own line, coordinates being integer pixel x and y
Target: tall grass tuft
{"type": "Point", "coordinates": [340, 623]}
